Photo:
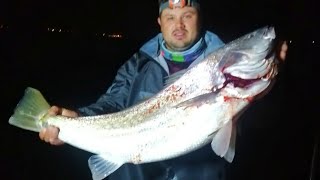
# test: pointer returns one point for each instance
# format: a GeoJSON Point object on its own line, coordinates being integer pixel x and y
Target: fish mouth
{"type": "Point", "coordinates": [238, 82]}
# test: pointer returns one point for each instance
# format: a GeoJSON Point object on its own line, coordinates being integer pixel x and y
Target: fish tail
{"type": "Point", "coordinates": [31, 111]}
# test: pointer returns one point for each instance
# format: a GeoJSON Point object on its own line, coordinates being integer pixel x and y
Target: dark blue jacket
{"type": "Point", "coordinates": [139, 78]}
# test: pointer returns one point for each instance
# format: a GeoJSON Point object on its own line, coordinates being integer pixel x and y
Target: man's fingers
{"type": "Point", "coordinates": [56, 142]}
{"type": "Point", "coordinates": [50, 135]}
{"type": "Point", "coordinates": [54, 110]}
{"type": "Point", "coordinates": [68, 113]}
{"type": "Point", "coordinates": [283, 51]}
{"type": "Point", "coordinates": [42, 133]}
{"type": "Point", "coordinates": [284, 46]}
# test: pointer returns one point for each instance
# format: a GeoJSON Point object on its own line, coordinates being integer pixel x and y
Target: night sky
{"type": "Point", "coordinates": [73, 67]}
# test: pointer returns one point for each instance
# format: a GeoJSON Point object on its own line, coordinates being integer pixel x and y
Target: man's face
{"type": "Point", "coordinates": [180, 27]}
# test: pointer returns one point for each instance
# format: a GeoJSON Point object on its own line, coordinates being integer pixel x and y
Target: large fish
{"type": "Point", "coordinates": [198, 106]}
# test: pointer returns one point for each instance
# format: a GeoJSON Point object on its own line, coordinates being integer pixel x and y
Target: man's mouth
{"type": "Point", "coordinates": [179, 34]}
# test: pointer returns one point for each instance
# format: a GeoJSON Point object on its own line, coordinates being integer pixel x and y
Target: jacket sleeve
{"type": "Point", "coordinates": [116, 96]}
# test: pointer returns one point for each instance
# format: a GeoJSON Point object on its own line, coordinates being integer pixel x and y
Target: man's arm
{"type": "Point", "coordinates": [116, 97]}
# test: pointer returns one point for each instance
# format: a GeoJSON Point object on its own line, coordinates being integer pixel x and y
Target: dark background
{"type": "Point", "coordinates": [73, 67]}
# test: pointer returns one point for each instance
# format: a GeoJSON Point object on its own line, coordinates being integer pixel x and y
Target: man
{"type": "Point", "coordinates": [180, 43]}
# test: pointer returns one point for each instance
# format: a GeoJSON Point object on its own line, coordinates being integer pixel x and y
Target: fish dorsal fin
{"type": "Point", "coordinates": [173, 77]}
{"type": "Point", "coordinates": [101, 167]}
{"type": "Point", "coordinates": [221, 140]}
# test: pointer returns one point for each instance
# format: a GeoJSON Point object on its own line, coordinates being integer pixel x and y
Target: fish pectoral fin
{"type": "Point", "coordinates": [198, 100]}
{"type": "Point", "coordinates": [221, 140]}
{"type": "Point", "coordinates": [101, 167]}
{"type": "Point", "coordinates": [229, 156]}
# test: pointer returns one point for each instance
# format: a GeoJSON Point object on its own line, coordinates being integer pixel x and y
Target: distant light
{"type": "Point", "coordinates": [52, 30]}
{"type": "Point", "coordinates": [103, 34]}
{"type": "Point", "coordinates": [290, 41]}
{"type": "Point", "coordinates": [59, 30]}
{"type": "Point", "coordinates": [115, 36]}
{"type": "Point", "coordinates": [313, 42]}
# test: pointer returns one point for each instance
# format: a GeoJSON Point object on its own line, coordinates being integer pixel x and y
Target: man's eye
{"type": "Point", "coordinates": [188, 16]}
{"type": "Point", "coordinates": [170, 18]}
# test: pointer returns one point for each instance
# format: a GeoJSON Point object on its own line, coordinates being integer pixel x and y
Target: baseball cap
{"type": "Point", "coordinates": [177, 4]}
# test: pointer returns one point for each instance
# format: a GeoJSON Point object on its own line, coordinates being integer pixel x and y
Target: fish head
{"type": "Point", "coordinates": [257, 42]}
{"type": "Point", "coordinates": [248, 63]}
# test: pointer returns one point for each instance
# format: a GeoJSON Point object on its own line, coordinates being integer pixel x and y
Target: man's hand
{"type": "Point", "coordinates": [50, 133]}
{"type": "Point", "coordinates": [283, 51]}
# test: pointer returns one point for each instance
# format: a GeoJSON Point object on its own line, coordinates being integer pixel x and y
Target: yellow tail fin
{"type": "Point", "coordinates": [30, 111]}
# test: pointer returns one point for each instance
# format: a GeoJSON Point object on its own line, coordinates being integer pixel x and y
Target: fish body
{"type": "Point", "coordinates": [168, 133]}
{"type": "Point", "coordinates": [197, 106]}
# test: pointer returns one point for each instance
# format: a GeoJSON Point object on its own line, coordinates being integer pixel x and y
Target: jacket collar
{"type": "Point", "coordinates": [152, 48]}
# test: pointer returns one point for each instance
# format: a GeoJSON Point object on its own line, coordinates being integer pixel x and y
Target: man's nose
{"type": "Point", "coordinates": [180, 23]}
